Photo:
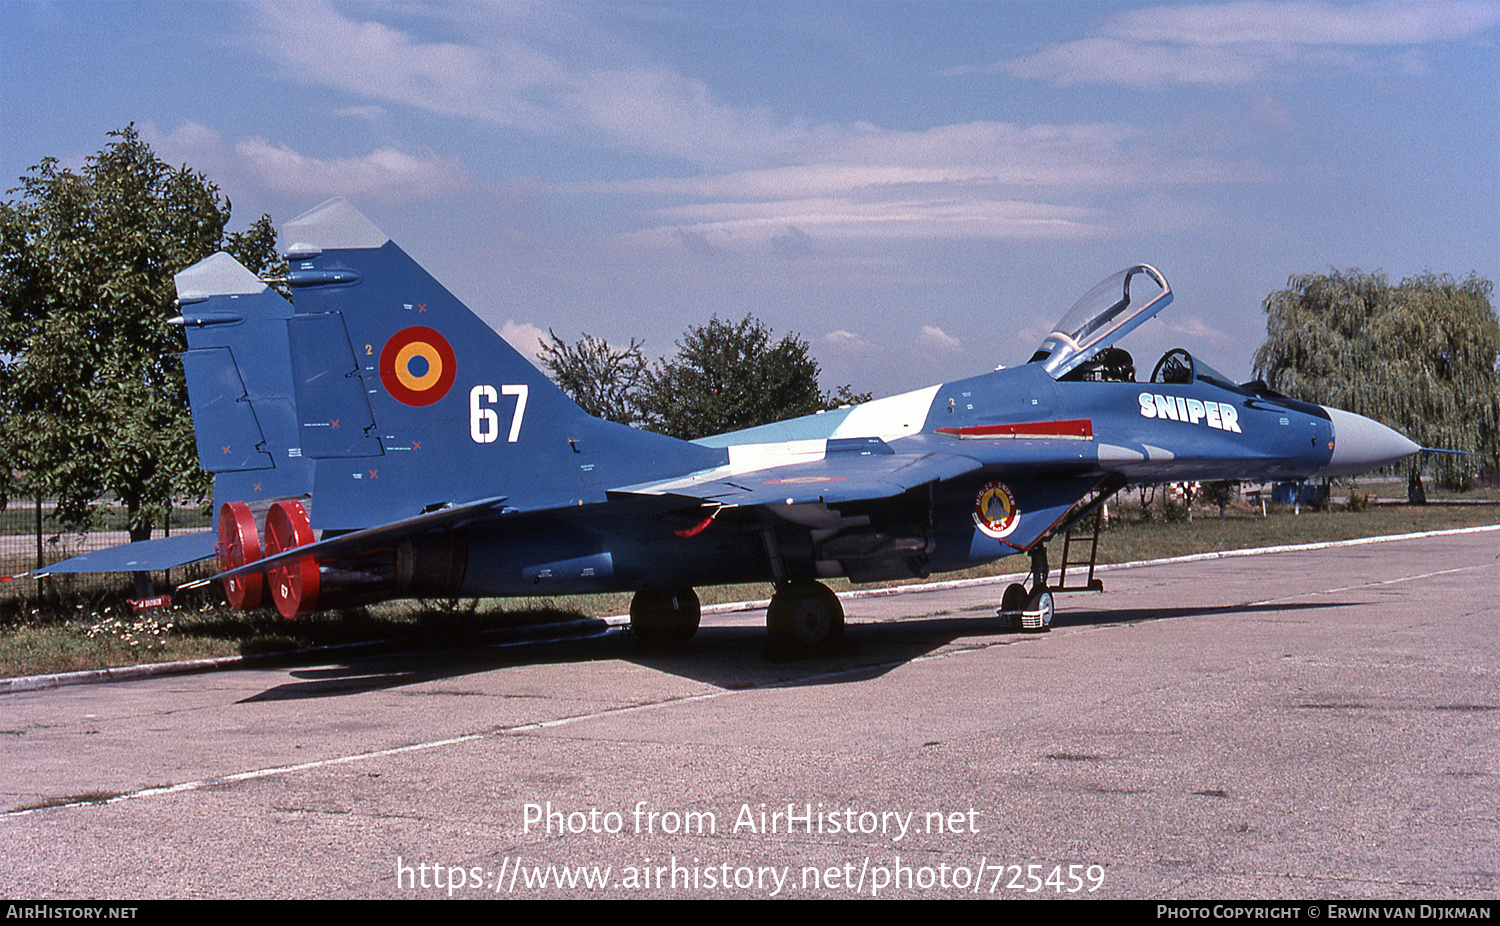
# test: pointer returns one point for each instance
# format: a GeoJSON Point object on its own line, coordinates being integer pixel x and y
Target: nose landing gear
{"type": "Point", "coordinates": [1029, 611]}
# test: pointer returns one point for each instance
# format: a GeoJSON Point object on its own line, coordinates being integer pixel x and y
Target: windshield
{"type": "Point", "coordinates": [1109, 312]}
{"type": "Point", "coordinates": [1208, 374]}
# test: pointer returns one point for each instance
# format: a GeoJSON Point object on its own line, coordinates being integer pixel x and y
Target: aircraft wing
{"type": "Point", "coordinates": [831, 479]}
{"type": "Point", "coordinates": [141, 556]}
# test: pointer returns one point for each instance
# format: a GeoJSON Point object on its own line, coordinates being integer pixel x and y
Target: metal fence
{"type": "Point", "coordinates": [31, 538]}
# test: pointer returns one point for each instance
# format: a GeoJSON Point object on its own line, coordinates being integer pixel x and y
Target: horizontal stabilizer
{"type": "Point", "coordinates": [141, 556]}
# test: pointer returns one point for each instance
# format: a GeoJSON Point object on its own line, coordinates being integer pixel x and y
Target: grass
{"type": "Point", "coordinates": [43, 639]}
{"type": "Point", "coordinates": [1129, 541]}
{"type": "Point", "coordinates": [68, 629]}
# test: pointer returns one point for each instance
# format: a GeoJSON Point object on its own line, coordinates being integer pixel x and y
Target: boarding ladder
{"type": "Point", "coordinates": [1082, 531]}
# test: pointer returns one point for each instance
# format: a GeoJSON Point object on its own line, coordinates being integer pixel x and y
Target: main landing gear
{"type": "Point", "coordinates": [665, 617]}
{"type": "Point", "coordinates": [803, 614]}
{"type": "Point", "coordinates": [1029, 611]}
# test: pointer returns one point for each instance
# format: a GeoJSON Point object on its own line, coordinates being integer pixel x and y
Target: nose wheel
{"type": "Point", "coordinates": [1029, 611]}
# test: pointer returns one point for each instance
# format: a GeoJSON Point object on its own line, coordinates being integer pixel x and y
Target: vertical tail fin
{"type": "Point", "coordinates": [239, 380]}
{"type": "Point", "coordinates": [408, 401]}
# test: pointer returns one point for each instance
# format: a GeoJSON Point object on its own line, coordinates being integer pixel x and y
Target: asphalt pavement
{"type": "Point", "coordinates": [1318, 724]}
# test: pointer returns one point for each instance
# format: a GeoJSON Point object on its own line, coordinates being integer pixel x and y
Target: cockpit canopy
{"type": "Point", "coordinates": [1110, 311]}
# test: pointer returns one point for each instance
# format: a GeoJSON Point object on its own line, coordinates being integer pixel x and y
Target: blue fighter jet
{"type": "Point", "coordinates": [374, 439]}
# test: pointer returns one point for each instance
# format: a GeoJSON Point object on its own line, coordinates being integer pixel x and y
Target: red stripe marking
{"type": "Point", "coordinates": [1073, 429]}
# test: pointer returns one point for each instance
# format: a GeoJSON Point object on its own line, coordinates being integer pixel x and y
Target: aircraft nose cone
{"type": "Point", "coordinates": [1360, 445]}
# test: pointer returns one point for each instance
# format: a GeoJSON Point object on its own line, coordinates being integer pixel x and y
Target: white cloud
{"type": "Point", "coordinates": [1122, 61]}
{"type": "Point", "coordinates": [190, 143]}
{"type": "Point", "coordinates": [1239, 43]}
{"type": "Point", "coordinates": [848, 341]}
{"type": "Point", "coordinates": [1385, 22]}
{"type": "Point", "coordinates": [486, 82]}
{"type": "Point", "coordinates": [662, 112]}
{"type": "Point", "coordinates": [944, 215]}
{"type": "Point", "coordinates": [525, 337]}
{"type": "Point", "coordinates": [936, 340]}
{"type": "Point", "coordinates": [982, 180]}
{"type": "Point", "coordinates": [766, 183]}
{"type": "Point", "coordinates": [502, 73]}
{"type": "Point", "coordinates": [1195, 329]}
{"type": "Point", "coordinates": [976, 155]}
{"type": "Point", "coordinates": [385, 173]}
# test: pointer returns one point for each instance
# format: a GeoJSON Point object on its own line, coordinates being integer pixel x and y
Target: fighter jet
{"type": "Point", "coordinates": [373, 439]}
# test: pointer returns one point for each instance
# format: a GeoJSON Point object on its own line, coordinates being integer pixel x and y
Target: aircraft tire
{"type": "Point", "coordinates": [1013, 601]}
{"type": "Point", "coordinates": [1040, 600]}
{"type": "Point", "coordinates": [805, 613]}
{"type": "Point", "coordinates": [665, 617]}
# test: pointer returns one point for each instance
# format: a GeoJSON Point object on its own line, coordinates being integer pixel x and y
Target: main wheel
{"type": "Point", "coordinates": [294, 585]}
{"type": "Point", "coordinates": [665, 617]}
{"type": "Point", "coordinates": [238, 545]}
{"type": "Point", "coordinates": [805, 613]}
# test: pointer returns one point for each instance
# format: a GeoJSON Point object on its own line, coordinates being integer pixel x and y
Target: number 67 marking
{"type": "Point", "coordinates": [484, 423]}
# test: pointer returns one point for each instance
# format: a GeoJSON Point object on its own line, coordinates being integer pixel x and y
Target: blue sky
{"type": "Point", "coordinates": [917, 189]}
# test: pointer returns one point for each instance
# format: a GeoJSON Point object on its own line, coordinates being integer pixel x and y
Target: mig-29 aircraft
{"type": "Point", "coordinates": [374, 439]}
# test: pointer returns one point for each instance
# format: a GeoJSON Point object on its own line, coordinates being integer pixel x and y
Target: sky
{"type": "Point", "coordinates": [918, 190]}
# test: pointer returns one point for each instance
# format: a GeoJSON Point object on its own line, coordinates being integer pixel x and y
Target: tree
{"type": "Point", "coordinates": [729, 375]}
{"type": "Point", "coordinates": [1220, 493]}
{"type": "Point", "coordinates": [91, 386]}
{"type": "Point", "coordinates": [1419, 356]}
{"type": "Point", "coordinates": [606, 382]}
{"type": "Point", "coordinates": [726, 376]}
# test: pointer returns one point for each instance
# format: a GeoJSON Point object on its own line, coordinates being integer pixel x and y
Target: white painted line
{"type": "Point", "coordinates": [1188, 558]}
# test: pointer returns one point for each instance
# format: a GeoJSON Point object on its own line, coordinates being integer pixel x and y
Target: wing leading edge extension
{"type": "Point", "coordinates": [861, 470]}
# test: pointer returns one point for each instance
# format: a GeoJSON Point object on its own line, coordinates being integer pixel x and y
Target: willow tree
{"type": "Point", "coordinates": [1419, 356]}
{"type": "Point", "coordinates": [93, 403]}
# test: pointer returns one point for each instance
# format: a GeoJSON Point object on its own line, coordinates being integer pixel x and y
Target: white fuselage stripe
{"type": "Point", "coordinates": [890, 418]}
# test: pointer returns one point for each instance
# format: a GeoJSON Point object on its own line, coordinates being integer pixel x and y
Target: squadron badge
{"type": "Point", "coordinates": [995, 512]}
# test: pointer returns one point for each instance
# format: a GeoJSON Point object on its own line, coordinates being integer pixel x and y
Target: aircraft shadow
{"type": "Point", "coordinates": [1104, 616]}
{"type": "Point", "coordinates": [731, 657]}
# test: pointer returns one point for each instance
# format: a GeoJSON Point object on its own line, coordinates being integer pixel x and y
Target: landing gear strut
{"type": "Point", "coordinates": [665, 617]}
{"type": "Point", "coordinates": [804, 613]}
{"type": "Point", "coordinates": [1029, 611]}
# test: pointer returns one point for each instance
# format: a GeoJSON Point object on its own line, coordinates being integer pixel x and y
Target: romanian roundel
{"type": "Point", "coordinates": [417, 366]}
